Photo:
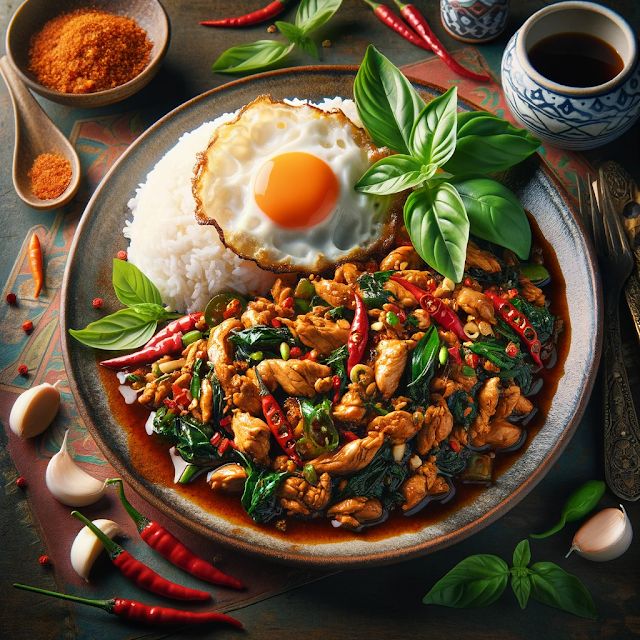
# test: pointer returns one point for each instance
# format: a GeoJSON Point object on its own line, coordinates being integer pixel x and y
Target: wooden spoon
{"type": "Point", "coordinates": [35, 134]}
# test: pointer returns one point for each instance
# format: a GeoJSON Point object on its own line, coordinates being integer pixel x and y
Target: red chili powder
{"type": "Point", "coordinates": [50, 175]}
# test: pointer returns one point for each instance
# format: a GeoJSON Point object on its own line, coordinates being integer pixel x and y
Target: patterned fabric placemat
{"type": "Point", "coordinates": [100, 142]}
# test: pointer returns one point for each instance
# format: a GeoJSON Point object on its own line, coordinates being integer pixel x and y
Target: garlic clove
{"type": "Point", "coordinates": [86, 547]}
{"type": "Point", "coordinates": [605, 536]}
{"type": "Point", "coordinates": [70, 484]}
{"type": "Point", "coordinates": [34, 410]}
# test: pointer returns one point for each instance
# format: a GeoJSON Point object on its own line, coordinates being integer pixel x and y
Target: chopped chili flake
{"type": "Point", "coordinates": [455, 445]}
{"type": "Point", "coordinates": [295, 352]}
{"type": "Point", "coordinates": [288, 302]}
{"type": "Point", "coordinates": [512, 350]}
{"type": "Point", "coordinates": [27, 326]}
{"type": "Point", "coordinates": [21, 482]}
{"type": "Point", "coordinates": [472, 359]}
{"type": "Point", "coordinates": [23, 370]}
{"type": "Point", "coordinates": [275, 323]}
{"type": "Point", "coordinates": [121, 255]}
{"type": "Point", "coordinates": [44, 560]}
{"type": "Point", "coordinates": [215, 438]}
{"type": "Point", "coordinates": [97, 303]}
{"type": "Point", "coordinates": [349, 436]}
{"type": "Point", "coordinates": [223, 446]}
{"type": "Point", "coordinates": [11, 298]}
{"type": "Point", "coordinates": [468, 282]}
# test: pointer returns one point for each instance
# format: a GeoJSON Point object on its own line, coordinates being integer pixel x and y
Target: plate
{"type": "Point", "coordinates": [99, 237]}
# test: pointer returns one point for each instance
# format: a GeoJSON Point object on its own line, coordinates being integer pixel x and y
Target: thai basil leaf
{"type": "Point", "coordinates": [477, 581]}
{"type": "Point", "coordinates": [391, 175]}
{"type": "Point", "coordinates": [164, 423]}
{"type": "Point", "coordinates": [124, 329]}
{"type": "Point", "coordinates": [521, 585]}
{"type": "Point", "coordinates": [541, 319]}
{"type": "Point", "coordinates": [450, 462]}
{"type": "Point", "coordinates": [337, 360]}
{"type": "Point", "coordinates": [553, 586]}
{"type": "Point", "coordinates": [462, 407]}
{"type": "Point", "coordinates": [296, 35]}
{"type": "Point", "coordinates": [387, 103]}
{"type": "Point", "coordinates": [312, 14]}
{"type": "Point", "coordinates": [153, 310]}
{"type": "Point", "coordinates": [522, 554]}
{"type": "Point", "coordinates": [193, 440]}
{"type": "Point", "coordinates": [488, 144]}
{"type": "Point", "coordinates": [495, 214]}
{"type": "Point", "coordinates": [132, 286]}
{"type": "Point", "coordinates": [438, 226]}
{"type": "Point", "coordinates": [259, 497]}
{"type": "Point", "coordinates": [260, 338]}
{"type": "Point", "coordinates": [247, 58]}
{"type": "Point", "coordinates": [422, 363]}
{"type": "Point", "coordinates": [433, 137]}
{"type": "Point", "coordinates": [372, 290]}
{"type": "Point", "coordinates": [494, 351]}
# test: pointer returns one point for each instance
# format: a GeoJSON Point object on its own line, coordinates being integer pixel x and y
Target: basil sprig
{"type": "Point", "coordinates": [131, 327]}
{"type": "Point", "coordinates": [433, 142]}
{"type": "Point", "coordinates": [480, 580]}
{"type": "Point", "coordinates": [265, 54]}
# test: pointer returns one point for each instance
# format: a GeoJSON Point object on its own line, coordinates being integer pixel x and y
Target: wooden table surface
{"type": "Point", "coordinates": [370, 602]}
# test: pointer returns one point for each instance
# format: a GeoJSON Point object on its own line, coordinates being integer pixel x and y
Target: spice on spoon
{"type": "Point", "coordinates": [50, 175]}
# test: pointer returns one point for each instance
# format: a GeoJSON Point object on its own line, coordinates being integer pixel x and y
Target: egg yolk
{"type": "Point", "coordinates": [296, 190]}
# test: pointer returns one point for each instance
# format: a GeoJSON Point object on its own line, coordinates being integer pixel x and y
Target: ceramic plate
{"type": "Point", "coordinates": [99, 236]}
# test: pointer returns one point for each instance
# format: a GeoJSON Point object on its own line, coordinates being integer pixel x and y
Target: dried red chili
{"type": "Point", "coordinates": [181, 325]}
{"type": "Point", "coordinates": [170, 548]}
{"type": "Point", "coordinates": [391, 20]}
{"type": "Point", "coordinates": [172, 344]}
{"type": "Point", "coordinates": [139, 612]}
{"type": "Point", "coordinates": [255, 17]}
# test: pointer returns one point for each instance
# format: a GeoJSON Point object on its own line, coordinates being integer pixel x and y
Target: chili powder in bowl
{"type": "Point", "coordinates": [87, 54]}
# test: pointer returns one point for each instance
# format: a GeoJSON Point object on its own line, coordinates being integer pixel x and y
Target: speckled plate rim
{"type": "Point", "coordinates": [350, 552]}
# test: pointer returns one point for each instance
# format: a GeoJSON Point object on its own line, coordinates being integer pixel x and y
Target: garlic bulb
{"type": "Point", "coordinates": [34, 410]}
{"type": "Point", "coordinates": [70, 484]}
{"type": "Point", "coordinates": [605, 536]}
{"type": "Point", "coordinates": [86, 547]}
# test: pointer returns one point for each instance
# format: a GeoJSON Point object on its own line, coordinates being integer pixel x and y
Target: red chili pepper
{"type": "Point", "coordinates": [402, 316]}
{"type": "Point", "coordinates": [181, 396]}
{"type": "Point", "coordinates": [122, 255]}
{"type": "Point", "coordinates": [276, 324]}
{"type": "Point", "coordinates": [440, 312]}
{"type": "Point", "coordinates": [288, 302]}
{"type": "Point", "coordinates": [139, 612]}
{"type": "Point", "coordinates": [277, 421]}
{"type": "Point", "coordinates": [21, 482]}
{"type": "Point", "coordinates": [223, 446]}
{"type": "Point", "coordinates": [147, 354]}
{"type": "Point", "coordinates": [232, 309]}
{"type": "Point", "coordinates": [349, 436]}
{"type": "Point", "coordinates": [225, 422]}
{"type": "Point", "coordinates": [138, 572]}
{"type": "Point", "coordinates": [512, 350]}
{"type": "Point", "coordinates": [255, 17]}
{"type": "Point", "coordinates": [27, 326]}
{"type": "Point", "coordinates": [519, 323]}
{"type": "Point", "coordinates": [420, 25]}
{"type": "Point", "coordinates": [11, 298]}
{"type": "Point", "coordinates": [391, 20]}
{"type": "Point", "coordinates": [311, 355]}
{"type": "Point", "coordinates": [455, 445]}
{"type": "Point", "coordinates": [35, 261]}
{"type": "Point", "coordinates": [97, 303]}
{"type": "Point", "coordinates": [44, 560]}
{"type": "Point", "coordinates": [215, 438]}
{"type": "Point", "coordinates": [295, 352]}
{"type": "Point", "coordinates": [358, 335]}
{"type": "Point", "coordinates": [23, 370]}
{"type": "Point", "coordinates": [336, 383]}
{"type": "Point", "coordinates": [472, 359]}
{"type": "Point", "coordinates": [170, 548]}
{"type": "Point", "coordinates": [454, 353]}
{"type": "Point", "coordinates": [181, 325]}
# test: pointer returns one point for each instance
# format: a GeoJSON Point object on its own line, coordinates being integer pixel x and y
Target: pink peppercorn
{"type": "Point", "coordinates": [121, 255]}
{"type": "Point", "coordinates": [44, 560]}
{"type": "Point", "coordinates": [12, 299]}
{"type": "Point", "coordinates": [21, 482]}
{"type": "Point", "coordinates": [97, 303]}
{"type": "Point", "coordinates": [23, 370]}
{"type": "Point", "coordinates": [27, 326]}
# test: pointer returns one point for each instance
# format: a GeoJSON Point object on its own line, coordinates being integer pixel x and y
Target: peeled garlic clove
{"type": "Point", "coordinates": [605, 536]}
{"type": "Point", "coordinates": [34, 410]}
{"type": "Point", "coordinates": [86, 547]}
{"type": "Point", "coordinates": [70, 484]}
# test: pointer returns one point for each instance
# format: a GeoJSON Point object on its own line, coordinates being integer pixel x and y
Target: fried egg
{"type": "Point", "coordinates": [278, 183]}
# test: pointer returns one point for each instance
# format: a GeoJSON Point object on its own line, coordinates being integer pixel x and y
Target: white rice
{"type": "Point", "coordinates": [187, 261]}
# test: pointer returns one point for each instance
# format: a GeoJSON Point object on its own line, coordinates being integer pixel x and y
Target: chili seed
{"type": "Point", "coordinates": [191, 337]}
{"type": "Point", "coordinates": [23, 370]}
{"type": "Point", "coordinates": [44, 560]}
{"type": "Point", "coordinates": [27, 326]}
{"type": "Point", "coordinates": [21, 482]}
{"type": "Point", "coordinates": [97, 303]}
{"type": "Point", "coordinates": [121, 255]}
{"type": "Point", "coordinates": [11, 298]}
{"type": "Point", "coordinates": [443, 355]}
{"type": "Point", "coordinates": [285, 350]}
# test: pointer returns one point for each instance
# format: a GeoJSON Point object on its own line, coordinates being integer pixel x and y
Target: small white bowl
{"type": "Point", "coordinates": [564, 116]}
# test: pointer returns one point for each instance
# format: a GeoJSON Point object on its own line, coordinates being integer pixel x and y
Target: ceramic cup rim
{"type": "Point", "coordinates": [559, 8]}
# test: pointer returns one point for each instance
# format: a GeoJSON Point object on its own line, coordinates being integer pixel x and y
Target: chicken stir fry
{"type": "Point", "coordinates": [357, 393]}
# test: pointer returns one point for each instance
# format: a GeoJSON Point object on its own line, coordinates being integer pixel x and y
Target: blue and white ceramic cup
{"type": "Point", "coordinates": [561, 115]}
{"type": "Point", "coordinates": [474, 20]}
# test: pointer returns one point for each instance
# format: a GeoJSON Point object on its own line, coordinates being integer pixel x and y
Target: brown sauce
{"type": "Point", "coordinates": [576, 59]}
{"type": "Point", "coordinates": [151, 459]}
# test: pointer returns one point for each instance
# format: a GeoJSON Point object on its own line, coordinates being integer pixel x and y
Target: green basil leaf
{"type": "Point", "coordinates": [522, 554]}
{"type": "Point", "coordinates": [477, 581]}
{"type": "Point", "coordinates": [391, 175]}
{"type": "Point", "coordinates": [150, 310]}
{"type": "Point", "coordinates": [312, 14]}
{"type": "Point", "coordinates": [247, 58]}
{"type": "Point", "coordinates": [387, 103]}
{"type": "Point", "coordinates": [487, 144]}
{"type": "Point", "coordinates": [309, 47]}
{"type": "Point", "coordinates": [422, 364]}
{"type": "Point", "coordinates": [438, 226]}
{"type": "Point", "coordinates": [290, 31]}
{"type": "Point", "coordinates": [132, 286]}
{"type": "Point", "coordinates": [553, 586]}
{"type": "Point", "coordinates": [495, 214]}
{"type": "Point", "coordinates": [124, 329]}
{"type": "Point", "coordinates": [433, 137]}
{"type": "Point", "coordinates": [521, 585]}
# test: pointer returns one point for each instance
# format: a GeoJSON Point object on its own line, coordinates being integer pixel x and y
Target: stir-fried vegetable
{"type": "Point", "coordinates": [422, 363]}
{"type": "Point", "coordinates": [259, 495]}
{"type": "Point", "coordinates": [320, 434]}
{"type": "Point", "coordinates": [260, 338]}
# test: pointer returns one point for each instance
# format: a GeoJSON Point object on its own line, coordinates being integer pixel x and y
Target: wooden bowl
{"type": "Point", "coordinates": [33, 14]}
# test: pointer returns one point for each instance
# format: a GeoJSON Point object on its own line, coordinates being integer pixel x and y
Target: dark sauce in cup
{"type": "Point", "coordinates": [576, 59]}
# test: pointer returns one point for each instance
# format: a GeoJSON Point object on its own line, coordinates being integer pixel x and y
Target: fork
{"type": "Point", "coordinates": [621, 429]}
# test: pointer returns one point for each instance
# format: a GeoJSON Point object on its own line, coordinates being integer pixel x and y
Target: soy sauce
{"type": "Point", "coordinates": [576, 59]}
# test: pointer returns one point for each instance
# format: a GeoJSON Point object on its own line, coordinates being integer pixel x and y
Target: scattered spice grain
{"type": "Point", "coordinates": [44, 560]}
{"type": "Point", "coordinates": [23, 370]}
{"type": "Point", "coordinates": [121, 255]}
{"type": "Point", "coordinates": [50, 175]}
{"type": "Point", "coordinates": [97, 303]}
{"type": "Point", "coordinates": [12, 299]}
{"type": "Point", "coordinates": [88, 50]}
{"type": "Point", "coordinates": [21, 482]}
{"type": "Point", "coordinates": [27, 326]}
